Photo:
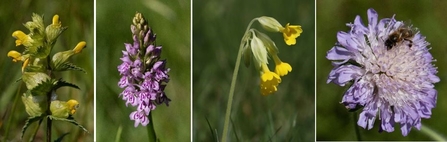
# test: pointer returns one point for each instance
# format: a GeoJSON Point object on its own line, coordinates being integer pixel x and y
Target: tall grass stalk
{"type": "Point", "coordinates": [13, 109]}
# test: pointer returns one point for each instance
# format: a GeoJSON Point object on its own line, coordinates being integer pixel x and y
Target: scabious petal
{"type": "Point", "coordinates": [397, 83]}
{"type": "Point", "coordinates": [345, 73]}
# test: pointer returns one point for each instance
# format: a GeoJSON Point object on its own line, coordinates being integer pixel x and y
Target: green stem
{"type": "Point", "coordinates": [356, 128]}
{"type": "Point", "coordinates": [150, 130]}
{"type": "Point", "coordinates": [432, 134]}
{"type": "Point", "coordinates": [233, 83]}
{"type": "Point", "coordinates": [16, 98]}
{"type": "Point", "coordinates": [49, 121]}
{"type": "Point", "coordinates": [48, 129]}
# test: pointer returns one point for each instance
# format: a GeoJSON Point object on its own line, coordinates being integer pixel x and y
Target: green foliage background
{"type": "Point", "coordinates": [287, 115]}
{"type": "Point", "coordinates": [334, 122]}
{"type": "Point", "coordinates": [78, 16]}
{"type": "Point", "coordinates": [170, 20]}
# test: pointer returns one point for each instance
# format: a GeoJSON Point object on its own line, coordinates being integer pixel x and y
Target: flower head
{"type": "Point", "coordinates": [290, 32]}
{"type": "Point", "coordinates": [22, 38]}
{"type": "Point", "coordinates": [269, 81]}
{"type": "Point", "coordinates": [144, 75]}
{"type": "Point", "coordinates": [261, 47]}
{"type": "Point", "coordinates": [393, 83]}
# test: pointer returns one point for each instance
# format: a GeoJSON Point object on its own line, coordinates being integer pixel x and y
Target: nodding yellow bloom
{"type": "Point", "coordinates": [269, 81]}
{"type": "Point", "coordinates": [282, 68]}
{"type": "Point", "coordinates": [22, 38]}
{"type": "Point", "coordinates": [16, 56]}
{"type": "Point", "coordinates": [79, 47]}
{"type": "Point", "coordinates": [72, 106]}
{"type": "Point", "coordinates": [56, 21]}
{"type": "Point", "coordinates": [290, 33]}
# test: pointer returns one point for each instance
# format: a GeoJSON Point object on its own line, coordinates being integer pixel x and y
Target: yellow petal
{"type": "Point", "coordinates": [79, 47]}
{"type": "Point", "coordinates": [56, 21]}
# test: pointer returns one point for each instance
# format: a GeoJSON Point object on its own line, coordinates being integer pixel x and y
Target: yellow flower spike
{"type": "Point", "coordinates": [72, 106]}
{"type": "Point", "coordinates": [79, 47]}
{"type": "Point", "coordinates": [290, 33]}
{"type": "Point", "coordinates": [22, 38]}
{"type": "Point", "coordinates": [25, 64]}
{"type": "Point", "coordinates": [269, 81]}
{"type": "Point", "coordinates": [56, 21]}
{"type": "Point", "coordinates": [16, 56]}
{"type": "Point", "coordinates": [282, 68]}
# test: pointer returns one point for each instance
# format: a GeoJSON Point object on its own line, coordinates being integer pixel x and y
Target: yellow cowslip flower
{"type": "Point", "coordinates": [290, 33]}
{"type": "Point", "coordinates": [56, 23]}
{"type": "Point", "coordinates": [79, 47]}
{"type": "Point", "coordinates": [269, 81]}
{"type": "Point", "coordinates": [22, 38]}
{"type": "Point", "coordinates": [282, 68]}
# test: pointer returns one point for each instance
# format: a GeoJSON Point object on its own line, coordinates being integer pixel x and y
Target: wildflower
{"type": "Point", "coordinates": [262, 46]}
{"type": "Point", "coordinates": [62, 109]}
{"type": "Point", "coordinates": [143, 74]}
{"type": "Point", "coordinates": [269, 81]}
{"type": "Point", "coordinates": [282, 68]}
{"type": "Point", "coordinates": [394, 84]}
{"type": "Point", "coordinates": [22, 38]}
{"type": "Point", "coordinates": [290, 32]}
{"type": "Point", "coordinates": [16, 56]}
{"type": "Point", "coordinates": [78, 48]}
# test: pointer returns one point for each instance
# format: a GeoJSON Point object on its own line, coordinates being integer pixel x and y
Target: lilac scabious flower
{"type": "Point", "coordinates": [390, 71]}
{"type": "Point", "coordinates": [143, 75]}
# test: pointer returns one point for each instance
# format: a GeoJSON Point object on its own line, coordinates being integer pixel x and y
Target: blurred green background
{"type": "Point", "coordinates": [287, 115]}
{"type": "Point", "coordinates": [170, 20]}
{"type": "Point", "coordinates": [78, 17]}
{"type": "Point", "coordinates": [334, 122]}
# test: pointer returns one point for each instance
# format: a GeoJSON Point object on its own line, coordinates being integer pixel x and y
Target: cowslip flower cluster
{"type": "Point", "coordinates": [392, 78]}
{"type": "Point", "coordinates": [262, 46]}
{"type": "Point", "coordinates": [143, 74]}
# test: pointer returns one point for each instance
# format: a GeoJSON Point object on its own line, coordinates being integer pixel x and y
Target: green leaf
{"type": "Point", "coordinates": [69, 66]}
{"type": "Point", "coordinates": [70, 120]}
{"type": "Point", "coordinates": [61, 137]}
{"type": "Point", "coordinates": [32, 79]}
{"type": "Point", "coordinates": [29, 122]}
{"type": "Point", "coordinates": [60, 83]}
{"type": "Point", "coordinates": [43, 88]}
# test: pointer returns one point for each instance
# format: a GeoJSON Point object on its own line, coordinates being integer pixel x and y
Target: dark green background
{"type": "Point", "coordinates": [334, 122]}
{"type": "Point", "coordinates": [170, 20]}
{"type": "Point", "coordinates": [287, 115]}
{"type": "Point", "coordinates": [78, 17]}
